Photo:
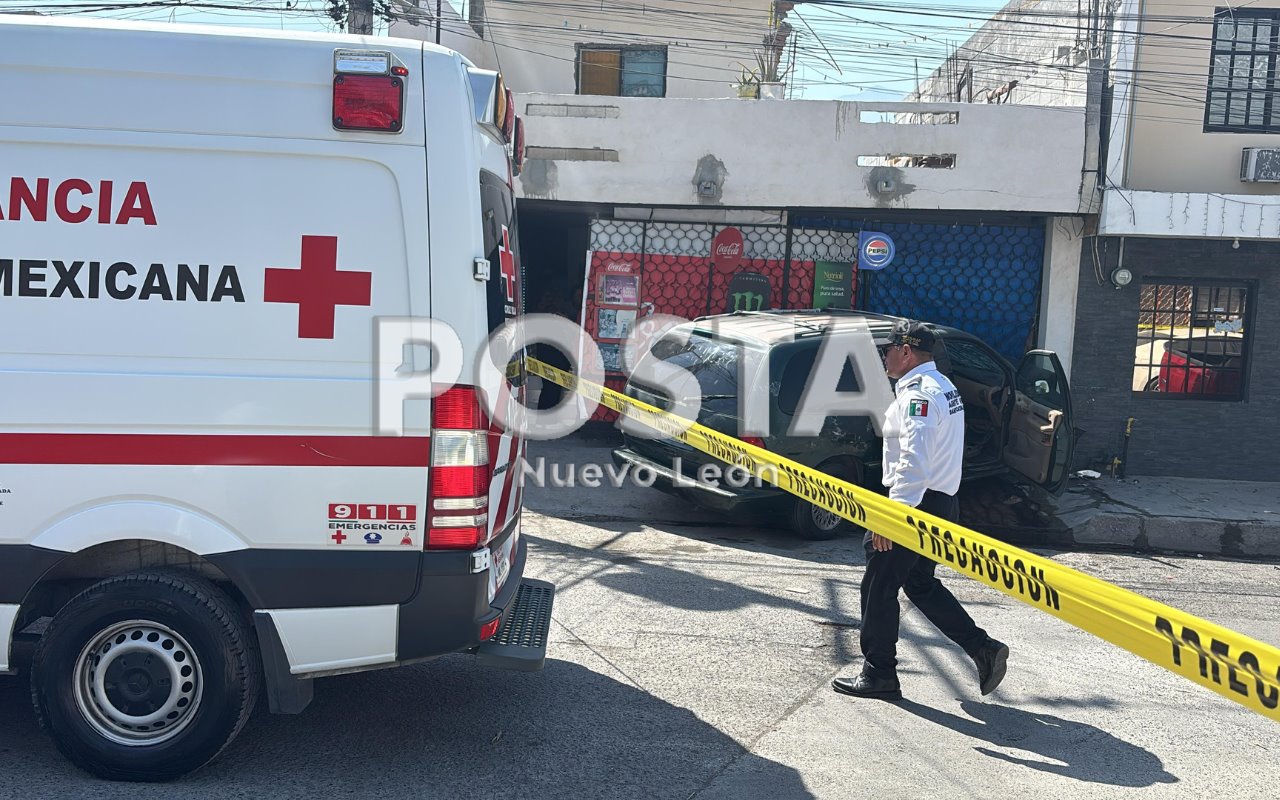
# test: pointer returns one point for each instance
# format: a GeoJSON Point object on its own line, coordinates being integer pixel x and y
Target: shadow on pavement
{"type": "Point", "coordinates": [555, 488]}
{"type": "Point", "coordinates": [446, 729]}
{"type": "Point", "coordinates": [1082, 752]}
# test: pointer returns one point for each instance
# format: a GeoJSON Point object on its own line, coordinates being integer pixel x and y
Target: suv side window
{"type": "Point", "coordinates": [1039, 381]}
{"type": "Point", "coordinates": [971, 361]}
{"type": "Point", "coordinates": [788, 382]}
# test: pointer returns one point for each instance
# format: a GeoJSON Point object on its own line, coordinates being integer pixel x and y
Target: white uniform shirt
{"type": "Point", "coordinates": [924, 436]}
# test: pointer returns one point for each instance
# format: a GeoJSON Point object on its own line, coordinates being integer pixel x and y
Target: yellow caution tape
{"type": "Point", "coordinates": [1232, 664]}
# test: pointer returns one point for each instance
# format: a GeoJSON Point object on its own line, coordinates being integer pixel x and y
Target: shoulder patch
{"type": "Point", "coordinates": [918, 408]}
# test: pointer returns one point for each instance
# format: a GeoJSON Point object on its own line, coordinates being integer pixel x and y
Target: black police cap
{"type": "Point", "coordinates": [909, 331]}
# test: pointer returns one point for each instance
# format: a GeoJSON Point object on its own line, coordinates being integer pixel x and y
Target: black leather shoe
{"type": "Point", "coordinates": [992, 660]}
{"type": "Point", "coordinates": [866, 686]}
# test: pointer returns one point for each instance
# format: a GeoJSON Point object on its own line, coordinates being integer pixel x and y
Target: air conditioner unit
{"type": "Point", "coordinates": [1260, 165]}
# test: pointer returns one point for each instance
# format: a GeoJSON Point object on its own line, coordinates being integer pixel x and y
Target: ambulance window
{"type": "Point", "coordinates": [502, 248]}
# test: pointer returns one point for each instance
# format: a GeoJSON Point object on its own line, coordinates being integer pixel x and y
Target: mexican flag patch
{"type": "Point", "coordinates": [918, 408]}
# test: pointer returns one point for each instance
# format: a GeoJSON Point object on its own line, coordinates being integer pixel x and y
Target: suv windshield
{"type": "Point", "coordinates": [714, 363]}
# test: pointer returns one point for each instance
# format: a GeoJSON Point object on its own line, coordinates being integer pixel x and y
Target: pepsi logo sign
{"type": "Point", "coordinates": [875, 251]}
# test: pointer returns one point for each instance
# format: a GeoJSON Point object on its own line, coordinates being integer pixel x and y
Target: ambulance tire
{"type": "Point", "coordinates": [816, 523]}
{"type": "Point", "coordinates": [166, 627]}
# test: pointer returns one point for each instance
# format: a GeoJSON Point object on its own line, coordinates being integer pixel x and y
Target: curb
{"type": "Point", "coordinates": [1237, 538]}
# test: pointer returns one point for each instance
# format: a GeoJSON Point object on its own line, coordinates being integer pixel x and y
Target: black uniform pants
{"type": "Point", "coordinates": [901, 568]}
{"type": "Point", "coordinates": [552, 392]}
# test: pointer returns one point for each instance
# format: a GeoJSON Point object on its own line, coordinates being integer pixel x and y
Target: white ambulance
{"type": "Point", "coordinates": [202, 231]}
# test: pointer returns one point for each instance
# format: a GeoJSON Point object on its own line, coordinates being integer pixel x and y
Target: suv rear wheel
{"type": "Point", "coordinates": [815, 522]}
{"type": "Point", "coordinates": [145, 676]}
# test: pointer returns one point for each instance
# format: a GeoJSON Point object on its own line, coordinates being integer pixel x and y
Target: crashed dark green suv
{"type": "Point", "coordinates": [1015, 419]}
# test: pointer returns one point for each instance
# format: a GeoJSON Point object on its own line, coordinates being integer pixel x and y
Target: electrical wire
{"type": "Point", "coordinates": [728, 28]}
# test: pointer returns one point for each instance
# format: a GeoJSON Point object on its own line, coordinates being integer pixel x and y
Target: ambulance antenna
{"type": "Point", "coordinates": [497, 59]}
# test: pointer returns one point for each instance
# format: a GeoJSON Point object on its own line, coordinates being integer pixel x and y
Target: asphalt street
{"type": "Point", "coordinates": [691, 657]}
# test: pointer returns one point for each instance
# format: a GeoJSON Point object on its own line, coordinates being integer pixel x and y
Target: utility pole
{"type": "Point", "coordinates": [360, 17]}
{"type": "Point", "coordinates": [438, 20]}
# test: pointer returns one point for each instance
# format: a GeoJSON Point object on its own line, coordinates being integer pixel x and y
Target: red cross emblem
{"type": "Point", "coordinates": [339, 537]}
{"type": "Point", "coordinates": [507, 265]}
{"type": "Point", "coordinates": [318, 287]}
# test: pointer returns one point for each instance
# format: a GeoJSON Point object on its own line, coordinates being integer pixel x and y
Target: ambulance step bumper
{"type": "Point", "coordinates": [521, 641]}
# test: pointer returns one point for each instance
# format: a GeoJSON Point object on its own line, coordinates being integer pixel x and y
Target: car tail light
{"type": "Point", "coordinates": [755, 440]}
{"type": "Point", "coordinates": [368, 102]}
{"type": "Point", "coordinates": [459, 409]}
{"type": "Point", "coordinates": [457, 482]}
{"type": "Point", "coordinates": [488, 629]}
{"type": "Point", "coordinates": [458, 492]}
{"type": "Point", "coordinates": [454, 538]}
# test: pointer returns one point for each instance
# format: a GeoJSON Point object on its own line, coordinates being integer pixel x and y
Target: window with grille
{"type": "Point", "coordinates": [1193, 339]}
{"type": "Point", "coordinates": [622, 71]}
{"type": "Point", "coordinates": [1242, 72]}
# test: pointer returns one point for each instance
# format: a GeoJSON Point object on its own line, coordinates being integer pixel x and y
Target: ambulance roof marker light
{"type": "Point", "coordinates": [368, 91]}
{"type": "Point", "coordinates": [508, 123]}
{"type": "Point", "coordinates": [501, 106]}
{"type": "Point", "coordinates": [517, 148]}
{"type": "Point", "coordinates": [361, 62]}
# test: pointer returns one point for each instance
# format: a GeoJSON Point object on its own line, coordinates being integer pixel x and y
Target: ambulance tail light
{"type": "Point", "coordinates": [368, 103]}
{"type": "Point", "coordinates": [458, 493]}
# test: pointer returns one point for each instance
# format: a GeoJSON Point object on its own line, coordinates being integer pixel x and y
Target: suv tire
{"type": "Point", "coordinates": [816, 523]}
{"type": "Point", "coordinates": [145, 676]}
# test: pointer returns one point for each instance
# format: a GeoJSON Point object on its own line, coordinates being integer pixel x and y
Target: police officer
{"type": "Point", "coordinates": [923, 450]}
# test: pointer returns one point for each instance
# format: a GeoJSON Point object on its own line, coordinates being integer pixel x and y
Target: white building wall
{"type": "Point", "coordinates": [1043, 45]}
{"type": "Point", "coordinates": [1060, 287]}
{"type": "Point", "coordinates": [455, 32]}
{"type": "Point", "coordinates": [1184, 204]}
{"type": "Point", "coordinates": [799, 153]}
{"type": "Point", "coordinates": [536, 45]}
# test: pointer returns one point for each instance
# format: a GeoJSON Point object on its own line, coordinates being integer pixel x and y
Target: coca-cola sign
{"type": "Point", "coordinates": [727, 251]}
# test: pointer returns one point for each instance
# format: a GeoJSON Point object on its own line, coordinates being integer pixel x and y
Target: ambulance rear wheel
{"type": "Point", "coordinates": [145, 676]}
{"type": "Point", "coordinates": [817, 523]}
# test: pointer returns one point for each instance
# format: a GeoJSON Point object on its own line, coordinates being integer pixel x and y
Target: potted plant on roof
{"type": "Point", "coordinates": [767, 81]}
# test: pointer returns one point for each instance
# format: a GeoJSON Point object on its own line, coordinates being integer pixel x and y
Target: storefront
{"type": "Point", "coordinates": [689, 270]}
{"type": "Point", "coordinates": [980, 275]}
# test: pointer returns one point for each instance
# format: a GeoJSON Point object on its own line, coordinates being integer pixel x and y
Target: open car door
{"type": "Point", "coordinates": [1041, 438]}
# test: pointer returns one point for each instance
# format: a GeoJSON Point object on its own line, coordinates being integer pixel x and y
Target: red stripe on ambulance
{"type": "Point", "coordinates": [152, 449]}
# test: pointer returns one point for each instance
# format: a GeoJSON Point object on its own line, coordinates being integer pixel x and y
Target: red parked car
{"type": "Point", "coordinates": [1203, 365]}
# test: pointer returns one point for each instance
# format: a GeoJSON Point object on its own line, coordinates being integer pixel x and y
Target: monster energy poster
{"type": "Point", "coordinates": [749, 291]}
{"type": "Point", "coordinates": [833, 285]}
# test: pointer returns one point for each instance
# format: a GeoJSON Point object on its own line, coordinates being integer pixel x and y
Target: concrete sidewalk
{"type": "Point", "coordinates": [1228, 518]}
